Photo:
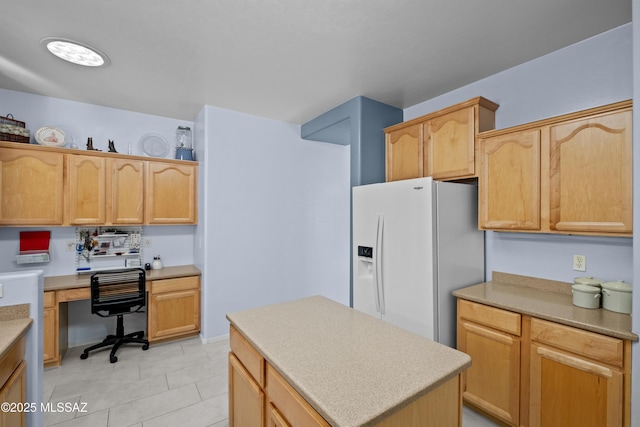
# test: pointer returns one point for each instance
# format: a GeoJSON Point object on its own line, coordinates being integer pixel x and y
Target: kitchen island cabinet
{"type": "Point", "coordinates": [562, 365]}
{"type": "Point", "coordinates": [314, 362]}
{"type": "Point", "coordinates": [569, 174]}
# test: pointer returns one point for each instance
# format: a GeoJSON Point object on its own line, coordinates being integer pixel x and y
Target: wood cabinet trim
{"type": "Point", "coordinates": [248, 355]}
{"type": "Point", "coordinates": [481, 101]}
{"type": "Point", "coordinates": [617, 106]}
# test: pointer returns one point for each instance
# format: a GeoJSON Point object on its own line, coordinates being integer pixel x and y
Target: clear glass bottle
{"type": "Point", "coordinates": [184, 143]}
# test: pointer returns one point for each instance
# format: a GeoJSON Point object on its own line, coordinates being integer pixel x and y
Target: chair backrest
{"type": "Point", "coordinates": [116, 292]}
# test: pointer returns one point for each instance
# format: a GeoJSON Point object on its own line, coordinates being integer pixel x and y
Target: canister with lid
{"type": "Point", "coordinates": [586, 296]}
{"type": "Point", "coordinates": [617, 296]}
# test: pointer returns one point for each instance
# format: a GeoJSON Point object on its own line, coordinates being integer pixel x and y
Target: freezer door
{"type": "Point", "coordinates": [402, 256]}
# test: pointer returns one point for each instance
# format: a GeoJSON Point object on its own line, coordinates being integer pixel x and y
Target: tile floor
{"type": "Point", "coordinates": [181, 383]}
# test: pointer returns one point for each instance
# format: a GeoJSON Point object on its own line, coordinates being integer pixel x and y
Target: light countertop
{"type": "Point", "coordinates": [14, 322]}
{"type": "Point", "coordinates": [549, 300]}
{"type": "Point", "coordinates": [53, 283]}
{"type": "Point", "coordinates": [352, 368]}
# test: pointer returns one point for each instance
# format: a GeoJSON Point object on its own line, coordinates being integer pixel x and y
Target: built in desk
{"type": "Point", "coordinates": [173, 306]}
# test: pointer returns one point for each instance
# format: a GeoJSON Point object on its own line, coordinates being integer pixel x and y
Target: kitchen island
{"type": "Point", "coordinates": [317, 362]}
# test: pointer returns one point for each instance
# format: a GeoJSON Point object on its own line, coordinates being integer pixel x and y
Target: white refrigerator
{"type": "Point", "coordinates": [414, 242]}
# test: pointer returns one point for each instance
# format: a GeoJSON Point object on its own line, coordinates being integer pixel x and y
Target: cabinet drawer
{"type": "Point", "coordinates": [595, 346]}
{"type": "Point", "coordinates": [74, 294]}
{"type": "Point", "coordinates": [248, 356]}
{"type": "Point", "coordinates": [177, 284]}
{"type": "Point", "coordinates": [288, 402]}
{"type": "Point", "coordinates": [503, 320]}
{"type": "Point", "coordinates": [49, 299]}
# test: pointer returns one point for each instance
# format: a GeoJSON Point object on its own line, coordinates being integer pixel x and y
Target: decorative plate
{"type": "Point", "coordinates": [51, 136]}
{"type": "Point", "coordinates": [154, 145]}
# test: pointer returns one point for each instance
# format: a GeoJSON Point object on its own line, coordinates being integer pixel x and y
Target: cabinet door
{"type": "Point", "coordinates": [125, 191]}
{"type": "Point", "coordinates": [404, 153]}
{"type": "Point", "coordinates": [590, 174]}
{"type": "Point", "coordinates": [50, 331]}
{"type": "Point", "coordinates": [86, 187]}
{"type": "Point", "coordinates": [568, 390]}
{"type": "Point", "coordinates": [31, 187]}
{"type": "Point", "coordinates": [450, 145]}
{"type": "Point", "coordinates": [246, 399]}
{"type": "Point", "coordinates": [174, 312]}
{"type": "Point", "coordinates": [15, 391]}
{"type": "Point", "coordinates": [492, 383]}
{"type": "Point", "coordinates": [509, 182]}
{"type": "Point", "coordinates": [171, 193]}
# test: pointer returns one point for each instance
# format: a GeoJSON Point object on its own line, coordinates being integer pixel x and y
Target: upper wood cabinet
{"type": "Point", "coordinates": [404, 153]}
{"type": "Point", "coordinates": [104, 190]}
{"type": "Point", "coordinates": [125, 191]}
{"type": "Point", "coordinates": [590, 172]}
{"type": "Point", "coordinates": [31, 186]}
{"type": "Point", "coordinates": [570, 174]}
{"type": "Point", "coordinates": [171, 193]}
{"type": "Point", "coordinates": [441, 144]}
{"type": "Point", "coordinates": [85, 189]}
{"type": "Point", "coordinates": [56, 186]}
{"type": "Point", "coordinates": [509, 181]}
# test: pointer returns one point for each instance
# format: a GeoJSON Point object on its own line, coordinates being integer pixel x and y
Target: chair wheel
{"type": "Point", "coordinates": [113, 359]}
{"type": "Point", "coordinates": [84, 356]}
{"type": "Point", "coordinates": [145, 347]}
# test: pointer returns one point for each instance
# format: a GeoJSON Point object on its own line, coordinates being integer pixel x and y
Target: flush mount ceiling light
{"type": "Point", "coordinates": [75, 52]}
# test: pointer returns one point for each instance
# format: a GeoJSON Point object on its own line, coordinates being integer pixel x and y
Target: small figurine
{"type": "Point", "coordinates": [90, 144]}
{"type": "Point", "coordinates": [112, 147]}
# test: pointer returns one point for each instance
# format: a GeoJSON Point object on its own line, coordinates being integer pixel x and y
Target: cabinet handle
{"type": "Point", "coordinates": [492, 335]}
{"type": "Point", "coordinates": [575, 362]}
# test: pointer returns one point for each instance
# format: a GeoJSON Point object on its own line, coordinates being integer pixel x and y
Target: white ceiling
{"type": "Point", "coordinates": [289, 60]}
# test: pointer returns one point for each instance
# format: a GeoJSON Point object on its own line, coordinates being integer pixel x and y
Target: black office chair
{"type": "Point", "coordinates": [116, 293]}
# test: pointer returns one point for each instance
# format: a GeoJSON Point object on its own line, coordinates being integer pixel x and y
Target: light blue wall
{"type": "Point", "coordinates": [593, 72]}
{"type": "Point", "coordinates": [276, 215]}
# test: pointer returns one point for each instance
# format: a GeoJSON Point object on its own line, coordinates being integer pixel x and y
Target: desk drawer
{"type": "Point", "coordinates": [74, 294]}
{"type": "Point", "coordinates": [172, 285]}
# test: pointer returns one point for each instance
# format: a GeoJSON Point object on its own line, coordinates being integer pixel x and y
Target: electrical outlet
{"type": "Point", "coordinates": [147, 242]}
{"type": "Point", "coordinates": [71, 245]}
{"type": "Point", "coordinates": [580, 263]}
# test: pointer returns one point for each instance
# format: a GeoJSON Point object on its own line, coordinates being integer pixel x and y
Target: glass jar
{"type": "Point", "coordinates": [184, 143]}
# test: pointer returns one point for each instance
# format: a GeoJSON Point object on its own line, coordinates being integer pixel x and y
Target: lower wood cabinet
{"type": "Point", "coordinates": [13, 384]}
{"type": "Point", "coordinates": [50, 328]}
{"type": "Point", "coordinates": [492, 338]}
{"type": "Point", "coordinates": [531, 372]}
{"type": "Point", "coordinates": [259, 396]}
{"type": "Point", "coordinates": [577, 378]}
{"type": "Point", "coordinates": [173, 307]}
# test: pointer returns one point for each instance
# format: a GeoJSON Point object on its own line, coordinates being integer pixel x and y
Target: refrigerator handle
{"type": "Point", "coordinates": [378, 267]}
